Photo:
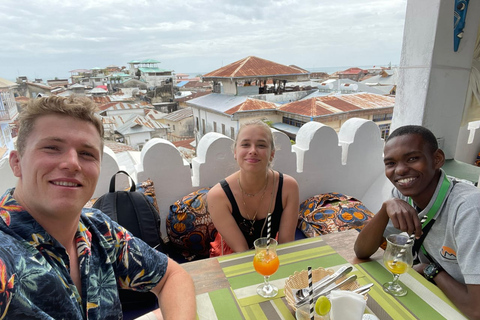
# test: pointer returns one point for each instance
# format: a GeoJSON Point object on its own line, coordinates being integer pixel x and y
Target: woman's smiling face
{"type": "Point", "coordinates": [254, 147]}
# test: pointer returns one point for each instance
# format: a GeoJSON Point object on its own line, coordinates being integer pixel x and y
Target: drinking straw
{"type": "Point", "coordinates": [310, 293]}
{"type": "Point", "coordinates": [411, 238]}
{"type": "Point", "coordinates": [269, 228]}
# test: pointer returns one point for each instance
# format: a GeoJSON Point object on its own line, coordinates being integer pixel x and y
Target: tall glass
{"type": "Point", "coordinates": [397, 258]}
{"type": "Point", "coordinates": [266, 263]}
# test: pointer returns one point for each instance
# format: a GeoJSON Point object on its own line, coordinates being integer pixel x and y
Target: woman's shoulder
{"type": "Point", "coordinates": [288, 180]}
{"type": "Point", "coordinates": [217, 192]}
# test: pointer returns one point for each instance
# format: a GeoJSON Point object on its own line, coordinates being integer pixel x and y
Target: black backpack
{"type": "Point", "coordinates": [133, 211]}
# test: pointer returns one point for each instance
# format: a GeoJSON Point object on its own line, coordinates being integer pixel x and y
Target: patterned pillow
{"type": "Point", "coordinates": [332, 212]}
{"type": "Point", "coordinates": [189, 226]}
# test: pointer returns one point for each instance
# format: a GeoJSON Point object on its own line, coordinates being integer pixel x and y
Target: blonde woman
{"type": "Point", "coordinates": [240, 203]}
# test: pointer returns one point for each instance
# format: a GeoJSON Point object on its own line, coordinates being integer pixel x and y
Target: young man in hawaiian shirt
{"type": "Point", "coordinates": [450, 254]}
{"type": "Point", "coordinates": [59, 260]}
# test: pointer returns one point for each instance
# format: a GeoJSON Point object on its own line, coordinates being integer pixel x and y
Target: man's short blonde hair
{"type": "Point", "coordinates": [81, 108]}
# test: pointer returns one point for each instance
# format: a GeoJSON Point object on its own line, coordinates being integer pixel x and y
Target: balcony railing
{"type": "Point", "coordinates": [350, 162]}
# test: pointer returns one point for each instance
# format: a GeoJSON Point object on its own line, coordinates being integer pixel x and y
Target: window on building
{"type": "Point", "coordinates": [203, 126]}
{"type": "Point", "coordinates": [232, 133]}
{"type": "Point", "coordinates": [384, 130]}
{"type": "Point", "coordinates": [223, 128]}
{"type": "Point", "coordinates": [382, 117]}
{"type": "Point", "coordinates": [293, 122]}
{"type": "Point", "coordinates": [196, 119]}
{"type": "Point", "coordinates": [173, 127]}
{"type": "Point", "coordinates": [214, 126]}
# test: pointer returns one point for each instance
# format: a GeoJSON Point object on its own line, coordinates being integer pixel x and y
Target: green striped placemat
{"type": "Point", "coordinates": [295, 256]}
{"type": "Point", "coordinates": [424, 300]}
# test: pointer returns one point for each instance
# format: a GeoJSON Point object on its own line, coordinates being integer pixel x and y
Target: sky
{"type": "Point", "coordinates": [49, 38]}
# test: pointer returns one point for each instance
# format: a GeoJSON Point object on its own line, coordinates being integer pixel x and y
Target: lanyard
{"type": "Point", "coordinates": [442, 194]}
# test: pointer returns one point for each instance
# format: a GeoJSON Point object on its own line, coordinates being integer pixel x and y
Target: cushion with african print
{"type": "Point", "coordinates": [189, 226]}
{"type": "Point", "coordinates": [332, 212]}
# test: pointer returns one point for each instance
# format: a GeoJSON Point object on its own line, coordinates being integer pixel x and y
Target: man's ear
{"type": "Point", "coordinates": [438, 158]}
{"type": "Point", "coordinates": [14, 160]}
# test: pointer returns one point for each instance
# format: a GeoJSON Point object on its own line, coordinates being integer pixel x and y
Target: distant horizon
{"type": "Point", "coordinates": [325, 69]}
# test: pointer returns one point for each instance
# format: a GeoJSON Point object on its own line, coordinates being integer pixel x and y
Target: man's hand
{"type": "Point", "coordinates": [404, 217]}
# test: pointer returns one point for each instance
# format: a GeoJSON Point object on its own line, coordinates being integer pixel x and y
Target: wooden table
{"type": "Point", "coordinates": [225, 286]}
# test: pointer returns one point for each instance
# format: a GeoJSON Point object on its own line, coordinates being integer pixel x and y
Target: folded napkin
{"type": "Point", "coordinates": [347, 305]}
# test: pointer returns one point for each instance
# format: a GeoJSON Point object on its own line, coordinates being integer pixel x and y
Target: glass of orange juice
{"type": "Point", "coordinates": [266, 263]}
{"type": "Point", "coordinates": [397, 258]}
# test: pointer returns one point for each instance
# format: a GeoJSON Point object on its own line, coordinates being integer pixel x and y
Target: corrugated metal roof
{"type": "Point", "coordinates": [137, 124]}
{"type": "Point", "coordinates": [179, 114]}
{"type": "Point", "coordinates": [252, 66]}
{"type": "Point", "coordinates": [286, 127]}
{"type": "Point", "coordinates": [148, 70]}
{"type": "Point", "coordinates": [154, 114]}
{"type": "Point", "coordinates": [100, 101]}
{"type": "Point", "coordinates": [118, 106]}
{"type": "Point", "coordinates": [4, 83]}
{"type": "Point", "coordinates": [252, 104]}
{"type": "Point", "coordinates": [181, 83]}
{"type": "Point", "coordinates": [217, 102]}
{"type": "Point", "coordinates": [338, 103]}
{"type": "Point", "coordinates": [150, 61]}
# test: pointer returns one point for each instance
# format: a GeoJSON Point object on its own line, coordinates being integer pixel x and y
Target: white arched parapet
{"type": "Point", "coordinates": [7, 180]}
{"type": "Point", "coordinates": [319, 162]}
{"type": "Point", "coordinates": [285, 160]}
{"type": "Point", "coordinates": [163, 164]}
{"type": "Point", "coordinates": [362, 154]}
{"type": "Point", "coordinates": [214, 160]}
{"type": "Point", "coordinates": [108, 169]}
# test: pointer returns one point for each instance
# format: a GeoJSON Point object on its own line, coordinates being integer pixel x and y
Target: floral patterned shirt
{"type": "Point", "coordinates": [34, 267]}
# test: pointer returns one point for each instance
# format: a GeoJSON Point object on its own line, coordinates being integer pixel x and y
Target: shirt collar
{"type": "Point", "coordinates": [21, 224]}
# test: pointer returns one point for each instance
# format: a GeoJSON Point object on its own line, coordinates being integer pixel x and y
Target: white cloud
{"type": "Point", "coordinates": [39, 37]}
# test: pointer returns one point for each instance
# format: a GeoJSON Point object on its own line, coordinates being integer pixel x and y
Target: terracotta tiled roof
{"type": "Point", "coordinates": [369, 101]}
{"type": "Point", "coordinates": [313, 107]}
{"type": "Point", "coordinates": [118, 147]}
{"type": "Point", "coordinates": [352, 71]}
{"type": "Point", "coordinates": [339, 104]}
{"type": "Point", "coordinates": [254, 67]}
{"type": "Point", "coordinates": [184, 143]}
{"type": "Point", "coordinates": [297, 67]}
{"type": "Point", "coordinates": [252, 104]}
{"type": "Point", "coordinates": [326, 105]}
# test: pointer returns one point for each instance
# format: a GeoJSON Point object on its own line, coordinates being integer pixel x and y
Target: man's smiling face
{"type": "Point", "coordinates": [413, 167]}
{"type": "Point", "coordinates": [59, 168]}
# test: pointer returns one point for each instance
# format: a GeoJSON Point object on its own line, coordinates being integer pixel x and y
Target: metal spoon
{"type": "Point", "coordinates": [303, 293]}
{"type": "Point", "coordinates": [327, 290]}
